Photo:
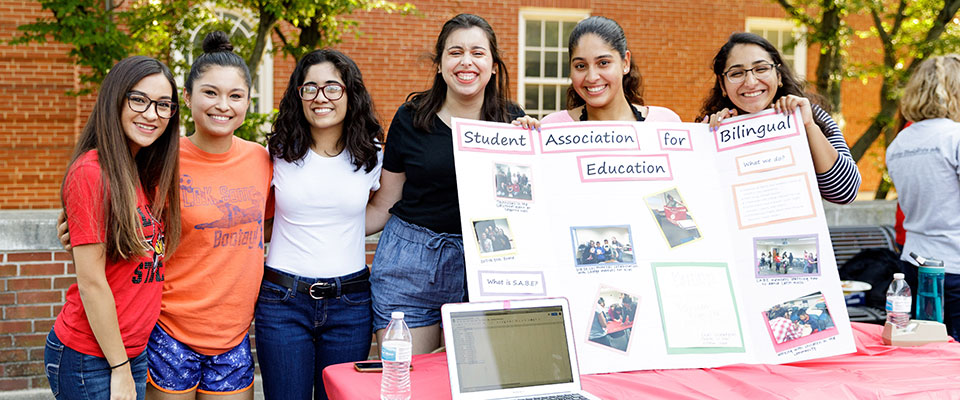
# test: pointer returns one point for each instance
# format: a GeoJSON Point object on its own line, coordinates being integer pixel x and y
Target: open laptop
{"type": "Point", "coordinates": [516, 349]}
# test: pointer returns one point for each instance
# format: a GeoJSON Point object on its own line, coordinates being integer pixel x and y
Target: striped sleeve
{"type": "Point", "coordinates": [841, 182]}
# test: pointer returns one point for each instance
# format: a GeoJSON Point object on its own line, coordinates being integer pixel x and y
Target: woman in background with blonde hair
{"type": "Point", "coordinates": [924, 163]}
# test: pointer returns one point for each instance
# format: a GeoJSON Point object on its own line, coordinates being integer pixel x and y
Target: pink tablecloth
{"type": "Point", "coordinates": [873, 371]}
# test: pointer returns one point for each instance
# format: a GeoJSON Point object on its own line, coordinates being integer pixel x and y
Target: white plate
{"type": "Point", "coordinates": [855, 286]}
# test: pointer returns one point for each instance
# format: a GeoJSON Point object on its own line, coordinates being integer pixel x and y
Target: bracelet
{"type": "Point", "coordinates": [120, 365]}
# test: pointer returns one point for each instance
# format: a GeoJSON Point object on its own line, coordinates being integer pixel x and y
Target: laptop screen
{"type": "Point", "coordinates": [503, 349]}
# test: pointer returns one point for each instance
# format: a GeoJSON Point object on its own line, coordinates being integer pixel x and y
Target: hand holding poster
{"type": "Point", "coordinates": [677, 247]}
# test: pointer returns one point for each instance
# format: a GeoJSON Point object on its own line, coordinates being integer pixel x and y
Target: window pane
{"type": "Point", "coordinates": [551, 66]}
{"type": "Point", "coordinates": [565, 62]}
{"type": "Point", "coordinates": [550, 98]}
{"type": "Point", "coordinates": [532, 96]}
{"type": "Point", "coordinates": [552, 33]}
{"type": "Point", "coordinates": [567, 28]}
{"type": "Point", "coordinates": [773, 37]}
{"type": "Point", "coordinates": [533, 64]}
{"type": "Point", "coordinates": [789, 44]}
{"type": "Point", "coordinates": [533, 33]}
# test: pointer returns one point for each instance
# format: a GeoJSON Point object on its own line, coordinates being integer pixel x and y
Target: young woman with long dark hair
{"type": "Point", "coordinates": [751, 76]}
{"type": "Point", "coordinates": [314, 304]}
{"type": "Point", "coordinates": [605, 82]}
{"type": "Point", "coordinates": [121, 198]}
{"type": "Point", "coordinates": [419, 262]}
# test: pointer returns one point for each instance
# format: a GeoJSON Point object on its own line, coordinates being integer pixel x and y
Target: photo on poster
{"type": "Point", "coordinates": [512, 181]}
{"type": "Point", "coordinates": [494, 237]}
{"type": "Point", "coordinates": [780, 256]}
{"type": "Point", "coordinates": [614, 312]}
{"type": "Point", "coordinates": [602, 245]}
{"type": "Point", "coordinates": [675, 221]}
{"type": "Point", "coordinates": [799, 321]}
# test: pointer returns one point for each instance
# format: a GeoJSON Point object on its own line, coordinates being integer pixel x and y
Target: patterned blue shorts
{"type": "Point", "coordinates": [415, 270]}
{"type": "Point", "coordinates": [175, 368]}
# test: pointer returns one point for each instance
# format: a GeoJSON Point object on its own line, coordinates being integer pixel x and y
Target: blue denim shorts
{"type": "Point", "coordinates": [416, 270]}
{"type": "Point", "coordinates": [176, 368]}
{"type": "Point", "coordinates": [77, 376]}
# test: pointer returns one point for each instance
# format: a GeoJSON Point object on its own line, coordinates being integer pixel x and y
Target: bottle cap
{"type": "Point", "coordinates": [399, 314]}
{"type": "Point", "coordinates": [898, 275]}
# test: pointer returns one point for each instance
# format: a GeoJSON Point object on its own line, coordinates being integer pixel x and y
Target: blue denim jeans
{"type": "Point", "coordinates": [77, 376]}
{"type": "Point", "coordinates": [297, 336]}
{"type": "Point", "coordinates": [416, 270]}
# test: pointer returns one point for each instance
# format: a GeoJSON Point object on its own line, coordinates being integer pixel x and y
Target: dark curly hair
{"type": "Point", "coordinates": [717, 101]}
{"type": "Point", "coordinates": [611, 33]}
{"type": "Point", "coordinates": [290, 138]}
{"type": "Point", "coordinates": [495, 100]}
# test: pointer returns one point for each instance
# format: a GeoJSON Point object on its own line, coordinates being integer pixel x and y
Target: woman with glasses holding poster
{"type": "Point", "coordinates": [419, 263]}
{"type": "Point", "coordinates": [605, 82]}
{"type": "Point", "coordinates": [120, 193]}
{"type": "Point", "coordinates": [314, 305]}
{"type": "Point", "coordinates": [751, 77]}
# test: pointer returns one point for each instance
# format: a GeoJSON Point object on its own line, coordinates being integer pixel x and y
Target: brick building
{"type": "Point", "coordinates": [672, 41]}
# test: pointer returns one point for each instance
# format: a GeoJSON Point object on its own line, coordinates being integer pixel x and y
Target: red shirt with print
{"type": "Point", "coordinates": [136, 283]}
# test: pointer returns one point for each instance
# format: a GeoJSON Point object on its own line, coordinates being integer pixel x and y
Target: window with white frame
{"type": "Point", "coordinates": [544, 62]}
{"type": "Point", "coordinates": [786, 37]}
{"type": "Point", "coordinates": [237, 27]}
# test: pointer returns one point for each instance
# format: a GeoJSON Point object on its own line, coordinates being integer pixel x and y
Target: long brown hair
{"type": "Point", "coordinates": [495, 101]}
{"type": "Point", "coordinates": [155, 168]}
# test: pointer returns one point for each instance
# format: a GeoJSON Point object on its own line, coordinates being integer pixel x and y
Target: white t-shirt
{"type": "Point", "coordinates": [924, 163]}
{"type": "Point", "coordinates": [319, 221]}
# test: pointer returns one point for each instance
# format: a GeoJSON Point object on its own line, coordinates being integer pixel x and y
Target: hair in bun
{"type": "Point", "coordinates": [217, 51]}
{"type": "Point", "coordinates": [216, 41]}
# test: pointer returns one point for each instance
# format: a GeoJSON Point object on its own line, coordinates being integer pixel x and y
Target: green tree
{"type": "Point", "coordinates": [908, 31]}
{"type": "Point", "coordinates": [824, 20]}
{"type": "Point", "coordinates": [100, 35]}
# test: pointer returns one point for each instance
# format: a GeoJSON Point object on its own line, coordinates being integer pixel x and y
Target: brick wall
{"type": "Point", "coordinates": [672, 41]}
{"type": "Point", "coordinates": [32, 289]}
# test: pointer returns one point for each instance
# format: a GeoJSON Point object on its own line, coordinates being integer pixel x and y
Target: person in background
{"type": "Point", "coordinates": [924, 163]}
{"type": "Point", "coordinates": [121, 198]}
{"type": "Point", "coordinates": [751, 76]}
{"type": "Point", "coordinates": [606, 84]}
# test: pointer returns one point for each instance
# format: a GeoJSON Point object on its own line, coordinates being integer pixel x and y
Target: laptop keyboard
{"type": "Point", "coordinates": [568, 396]}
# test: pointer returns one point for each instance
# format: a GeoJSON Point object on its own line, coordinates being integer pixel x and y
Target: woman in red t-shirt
{"type": "Point", "coordinates": [120, 185]}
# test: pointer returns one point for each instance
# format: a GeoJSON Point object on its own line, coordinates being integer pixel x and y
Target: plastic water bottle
{"type": "Point", "coordinates": [899, 299]}
{"type": "Point", "coordinates": [395, 353]}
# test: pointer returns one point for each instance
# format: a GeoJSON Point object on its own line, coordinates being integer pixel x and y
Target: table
{"type": "Point", "coordinates": [873, 371]}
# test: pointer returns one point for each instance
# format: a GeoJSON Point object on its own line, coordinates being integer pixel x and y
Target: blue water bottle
{"type": "Point", "coordinates": [929, 289]}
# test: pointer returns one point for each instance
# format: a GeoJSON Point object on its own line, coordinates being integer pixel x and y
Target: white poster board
{"type": "Point", "coordinates": [705, 248]}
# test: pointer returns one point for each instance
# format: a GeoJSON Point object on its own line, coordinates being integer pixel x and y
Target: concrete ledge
{"type": "Point", "coordinates": [872, 212]}
{"type": "Point", "coordinates": [25, 230]}
{"type": "Point", "coordinates": [28, 230]}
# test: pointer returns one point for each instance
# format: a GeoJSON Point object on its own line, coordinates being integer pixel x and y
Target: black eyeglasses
{"type": "Point", "coordinates": [331, 91]}
{"type": "Point", "coordinates": [761, 71]}
{"type": "Point", "coordinates": [139, 102]}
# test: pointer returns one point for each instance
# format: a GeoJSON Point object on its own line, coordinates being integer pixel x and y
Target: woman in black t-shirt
{"type": "Point", "coordinates": [419, 262]}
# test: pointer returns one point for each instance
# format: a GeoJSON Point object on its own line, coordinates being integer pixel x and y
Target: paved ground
{"type": "Point", "coordinates": [44, 394]}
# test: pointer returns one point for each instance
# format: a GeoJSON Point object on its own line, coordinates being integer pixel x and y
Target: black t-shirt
{"type": "Point", "coordinates": [430, 192]}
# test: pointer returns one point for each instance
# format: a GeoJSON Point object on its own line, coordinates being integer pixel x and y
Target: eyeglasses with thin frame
{"type": "Point", "coordinates": [761, 71]}
{"type": "Point", "coordinates": [139, 102]}
{"type": "Point", "coordinates": [331, 91]}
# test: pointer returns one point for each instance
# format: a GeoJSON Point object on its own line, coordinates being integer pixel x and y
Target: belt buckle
{"type": "Point", "coordinates": [317, 289]}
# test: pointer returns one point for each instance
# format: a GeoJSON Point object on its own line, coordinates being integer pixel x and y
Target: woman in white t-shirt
{"type": "Point", "coordinates": [314, 305]}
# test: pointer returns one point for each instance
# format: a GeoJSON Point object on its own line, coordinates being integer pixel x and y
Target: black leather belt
{"type": "Point", "coordinates": [320, 290]}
